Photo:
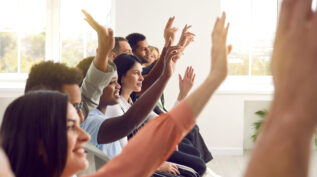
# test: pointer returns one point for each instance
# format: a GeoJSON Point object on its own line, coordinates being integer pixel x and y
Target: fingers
{"type": "Point", "coordinates": [193, 79]}
{"type": "Point", "coordinates": [287, 8]}
{"type": "Point", "coordinates": [174, 169]}
{"type": "Point", "coordinates": [220, 31]}
{"type": "Point", "coordinates": [170, 22]}
{"type": "Point", "coordinates": [110, 32]}
{"type": "Point", "coordinates": [186, 75]}
{"type": "Point", "coordinates": [226, 30]}
{"type": "Point", "coordinates": [186, 28]}
{"type": "Point", "coordinates": [302, 11]}
{"type": "Point", "coordinates": [93, 23]}
{"type": "Point", "coordinates": [229, 49]}
{"type": "Point", "coordinates": [180, 78]}
{"type": "Point", "coordinates": [219, 24]}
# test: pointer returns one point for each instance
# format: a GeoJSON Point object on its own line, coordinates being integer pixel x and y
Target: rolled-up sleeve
{"type": "Point", "coordinates": [93, 85]}
{"type": "Point", "coordinates": [153, 144]}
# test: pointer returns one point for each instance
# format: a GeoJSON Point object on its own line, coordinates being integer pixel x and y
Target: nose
{"type": "Point", "coordinates": [141, 78]}
{"type": "Point", "coordinates": [83, 135]}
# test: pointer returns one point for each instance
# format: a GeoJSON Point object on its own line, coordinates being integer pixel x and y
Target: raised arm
{"type": "Point", "coordinates": [101, 71]}
{"type": "Point", "coordinates": [219, 68]}
{"type": "Point", "coordinates": [169, 34]}
{"type": "Point", "coordinates": [154, 74]}
{"type": "Point", "coordinates": [150, 147]}
{"type": "Point", "coordinates": [105, 42]}
{"type": "Point", "coordinates": [186, 83]}
{"type": "Point", "coordinates": [284, 145]}
{"type": "Point", "coordinates": [115, 128]}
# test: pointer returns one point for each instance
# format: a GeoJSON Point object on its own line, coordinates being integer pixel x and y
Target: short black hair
{"type": "Point", "coordinates": [134, 38]}
{"type": "Point", "coordinates": [52, 76]}
{"type": "Point", "coordinates": [117, 45]}
{"type": "Point", "coordinates": [34, 134]}
{"type": "Point", "coordinates": [124, 62]}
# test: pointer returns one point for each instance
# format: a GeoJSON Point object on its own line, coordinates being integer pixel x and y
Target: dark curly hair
{"type": "Point", "coordinates": [52, 76]}
{"type": "Point", "coordinates": [84, 65]}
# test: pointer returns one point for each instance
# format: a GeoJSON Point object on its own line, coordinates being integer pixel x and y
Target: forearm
{"type": "Point", "coordinates": [118, 127]}
{"type": "Point", "coordinates": [181, 96]}
{"type": "Point", "coordinates": [150, 147]}
{"type": "Point", "coordinates": [145, 104]}
{"type": "Point", "coordinates": [101, 62]}
{"type": "Point", "coordinates": [199, 98]}
{"type": "Point", "coordinates": [114, 129]}
{"type": "Point", "coordinates": [284, 141]}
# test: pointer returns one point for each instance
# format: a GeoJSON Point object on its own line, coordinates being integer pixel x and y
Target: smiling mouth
{"type": "Point", "coordinates": [80, 152]}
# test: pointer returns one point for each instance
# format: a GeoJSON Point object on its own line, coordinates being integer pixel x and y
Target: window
{"type": "Point", "coordinates": [35, 30]}
{"type": "Point", "coordinates": [252, 32]}
{"type": "Point", "coordinates": [22, 34]}
{"type": "Point", "coordinates": [79, 40]}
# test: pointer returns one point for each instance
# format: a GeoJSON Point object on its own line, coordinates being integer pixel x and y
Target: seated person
{"type": "Point", "coordinates": [130, 78]}
{"type": "Point", "coordinates": [139, 45]}
{"type": "Point", "coordinates": [54, 145]}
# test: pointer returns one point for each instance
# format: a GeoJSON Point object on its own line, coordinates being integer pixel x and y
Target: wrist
{"type": "Point", "coordinates": [292, 110]}
{"type": "Point", "coordinates": [164, 76]}
{"type": "Point", "coordinates": [180, 97]}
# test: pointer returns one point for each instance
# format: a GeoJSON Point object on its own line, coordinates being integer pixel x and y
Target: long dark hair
{"type": "Point", "coordinates": [124, 63]}
{"type": "Point", "coordinates": [34, 136]}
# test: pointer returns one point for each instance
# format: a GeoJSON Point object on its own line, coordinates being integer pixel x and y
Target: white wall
{"type": "Point", "coordinates": [225, 121]}
{"type": "Point", "coordinates": [222, 121]}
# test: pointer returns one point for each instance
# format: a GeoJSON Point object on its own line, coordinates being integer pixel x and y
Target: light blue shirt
{"type": "Point", "coordinates": [91, 125]}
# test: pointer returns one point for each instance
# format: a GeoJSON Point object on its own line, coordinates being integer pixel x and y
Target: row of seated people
{"type": "Point", "coordinates": [105, 134]}
{"type": "Point", "coordinates": [42, 134]}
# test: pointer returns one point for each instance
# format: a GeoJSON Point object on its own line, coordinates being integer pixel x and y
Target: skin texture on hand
{"type": "Point", "coordinates": [186, 83]}
{"type": "Point", "coordinates": [105, 42]}
{"type": "Point", "coordinates": [186, 37]}
{"type": "Point", "coordinates": [170, 32]}
{"type": "Point", "coordinates": [169, 167]}
{"type": "Point", "coordinates": [284, 145]}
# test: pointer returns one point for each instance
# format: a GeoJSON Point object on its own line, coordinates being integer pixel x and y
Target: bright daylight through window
{"type": "Point", "coordinates": [252, 31]}
{"type": "Point", "coordinates": [35, 30]}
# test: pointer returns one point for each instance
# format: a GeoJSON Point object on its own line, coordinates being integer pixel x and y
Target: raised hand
{"type": "Point", "coordinates": [291, 122]}
{"type": "Point", "coordinates": [170, 59]}
{"type": "Point", "coordinates": [105, 41]}
{"type": "Point", "coordinates": [169, 31]}
{"type": "Point", "coordinates": [186, 37]}
{"type": "Point", "coordinates": [294, 56]}
{"type": "Point", "coordinates": [219, 51]}
{"type": "Point", "coordinates": [186, 83]}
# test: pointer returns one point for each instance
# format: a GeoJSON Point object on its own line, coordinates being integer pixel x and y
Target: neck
{"type": "Point", "coordinates": [125, 93]}
{"type": "Point", "coordinates": [102, 108]}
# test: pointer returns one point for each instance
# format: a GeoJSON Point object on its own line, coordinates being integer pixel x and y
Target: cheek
{"type": "Point", "coordinates": [71, 141]}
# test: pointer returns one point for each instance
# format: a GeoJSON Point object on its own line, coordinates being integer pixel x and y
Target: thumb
{"type": "Point", "coordinates": [229, 48]}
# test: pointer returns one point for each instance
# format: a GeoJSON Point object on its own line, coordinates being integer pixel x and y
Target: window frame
{"type": "Point", "coordinates": [53, 43]}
